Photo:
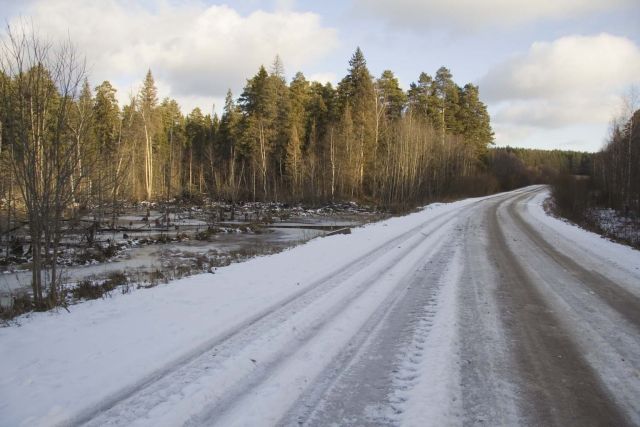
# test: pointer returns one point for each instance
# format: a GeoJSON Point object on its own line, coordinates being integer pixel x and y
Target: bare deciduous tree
{"type": "Point", "coordinates": [43, 81]}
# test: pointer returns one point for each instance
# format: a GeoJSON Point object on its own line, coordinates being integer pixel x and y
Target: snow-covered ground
{"type": "Point", "coordinates": [615, 225]}
{"type": "Point", "coordinates": [617, 260]}
{"type": "Point", "coordinates": [347, 329]}
{"type": "Point", "coordinates": [56, 366]}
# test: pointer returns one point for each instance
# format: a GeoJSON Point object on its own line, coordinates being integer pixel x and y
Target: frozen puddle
{"type": "Point", "coordinates": [143, 259]}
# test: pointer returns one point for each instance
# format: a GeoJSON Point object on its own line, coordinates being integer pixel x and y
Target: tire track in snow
{"type": "Point", "coordinates": [426, 387]}
{"type": "Point", "coordinates": [300, 364]}
{"type": "Point", "coordinates": [131, 402]}
{"type": "Point", "coordinates": [608, 341]}
{"type": "Point", "coordinates": [487, 393]}
{"type": "Point", "coordinates": [557, 386]}
{"type": "Point", "coordinates": [357, 385]}
{"type": "Point", "coordinates": [617, 297]}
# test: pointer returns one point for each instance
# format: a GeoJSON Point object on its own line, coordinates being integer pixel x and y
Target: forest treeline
{"type": "Point", "coordinates": [616, 173]}
{"type": "Point", "coordinates": [613, 181]}
{"type": "Point", "coordinates": [519, 167]}
{"type": "Point", "coordinates": [364, 139]}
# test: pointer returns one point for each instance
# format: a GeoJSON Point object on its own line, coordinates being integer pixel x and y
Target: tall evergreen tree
{"type": "Point", "coordinates": [281, 124]}
{"type": "Point", "coordinates": [229, 138]}
{"type": "Point", "coordinates": [391, 97]}
{"type": "Point", "coordinates": [106, 114]}
{"type": "Point", "coordinates": [148, 101]}
{"type": "Point", "coordinates": [422, 100]}
{"type": "Point", "coordinates": [447, 98]}
{"type": "Point", "coordinates": [357, 91]}
{"type": "Point", "coordinates": [196, 132]}
{"type": "Point", "coordinates": [170, 146]}
{"type": "Point", "coordinates": [300, 94]}
{"type": "Point", "coordinates": [474, 120]}
{"type": "Point", "coordinates": [259, 105]}
{"type": "Point", "coordinates": [390, 104]}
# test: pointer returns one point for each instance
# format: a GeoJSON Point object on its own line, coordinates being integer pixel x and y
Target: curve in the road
{"type": "Point", "coordinates": [558, 386]}
{"type": "Point", "coordinates": [620, 299]}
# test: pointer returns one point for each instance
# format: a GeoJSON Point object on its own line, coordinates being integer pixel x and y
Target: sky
{"type": "Point", "coordinates": [553, 73]}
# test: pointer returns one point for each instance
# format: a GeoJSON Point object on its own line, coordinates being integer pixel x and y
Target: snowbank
{"type": "Point", "coordinates": [603, 252]}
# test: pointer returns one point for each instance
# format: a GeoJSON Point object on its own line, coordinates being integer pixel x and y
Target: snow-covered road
{"type": "Point", "coordinates": [483, 311]}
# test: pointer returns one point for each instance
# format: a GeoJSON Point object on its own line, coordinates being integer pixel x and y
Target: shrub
{"type": "Point", "coordinates": [20, 304]}
{"type": "Point", "coordinates": [87, 289]}
{"type": "Point", "coordinates": [110, 251]}
{"type": "Point", "coordinates": [571, 196]}
{"type": "Point", "coordinates": [164, 238]}
{"type": "Point", "coordinates": [156, 277]}
{"type": "Point", "coordinates": [204, 235]}
{"type": "Point", "coordinates": [117, 278]}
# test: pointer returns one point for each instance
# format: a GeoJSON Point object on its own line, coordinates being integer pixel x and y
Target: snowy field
{"type": "Point", "coordinates": [282, 338]}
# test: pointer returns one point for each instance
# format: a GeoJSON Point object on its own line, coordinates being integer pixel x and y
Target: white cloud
{"type": "Point", "coordinates": [324, 78]}
{"type": "Point", "coordinates": [571, 81]}
{"type": "Point", "coordinates": [505, 133]}
{"type": "Point", "coordinates": [207, 104]}
{"type": "Point", "coordinates": [475, 14]}
{"type": "Point", "coordinates": [571, 65]}
{"type": "Point", "coordinates": [552, 114]}
{"type": "Point", "coordinates": [285, 4]}
{"type": "Point", "coordinates": [577, 137]}
{"type": "Point", "coordinates": [194, 50]}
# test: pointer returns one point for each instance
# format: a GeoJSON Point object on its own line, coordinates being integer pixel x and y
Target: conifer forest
{"type": "Point", "coordinates": [278, 140]}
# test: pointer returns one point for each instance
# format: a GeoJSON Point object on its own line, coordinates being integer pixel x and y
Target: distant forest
{"type": "Point", "coordinates": [519, 167]}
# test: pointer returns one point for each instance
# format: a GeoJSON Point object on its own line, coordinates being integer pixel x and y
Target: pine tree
{"type": "Point", "coordinates": [148, 100]}
{"type": "Point", "coordinates": [170, 145]}
{"type": "Point", "coordinates": [259, 105]}
{"type": "Point", "coordinates": [196, 132]}
{"type": "Point", "coordinates": [446, 95]}
{"type": "Point", "coordinates": [299, 97]}
{"type": "Point", "coordinates": [474, 118]}
{"type": "Point", "coordinates": [214, 178]}
{"type": "Point", "coordinates": [390, 104]}
{"type": "Point", "coordinates": [281, 124]}
{"type": "Point", "coordinates": [422, 100]}
{"type": "Point", "coordinates": [106, 114]}
{"type": "Point", "coordinates": [320, 124]}
{"type": "Point", "coordinates": [357, 91]}
{"type": "Point", "coordinates": [229, 136]}
{"type": "Point", "coordinates": [391, 97]}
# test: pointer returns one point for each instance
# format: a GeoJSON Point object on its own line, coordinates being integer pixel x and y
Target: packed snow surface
{"type": "Point", "coordinates": [271, 340]}
{"type": "Point", "coordinates": [56, 365]}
